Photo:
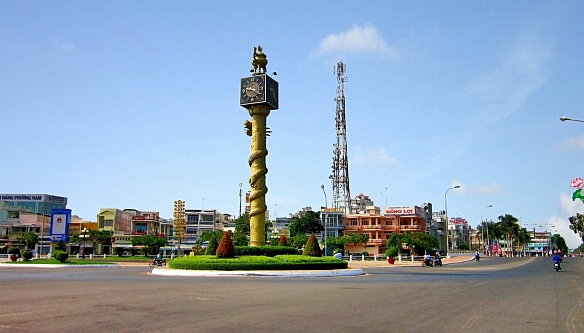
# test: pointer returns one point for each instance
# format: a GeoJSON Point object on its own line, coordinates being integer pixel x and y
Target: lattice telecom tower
{"type": "Point", "coordinates": [340, 175]}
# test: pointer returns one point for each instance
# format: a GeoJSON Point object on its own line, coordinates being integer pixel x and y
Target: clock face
{"type": "Point", "coordinates": [272, 93]}
{"type": "Point", "coordinates": [259, 89]}
{"type": "Point", "coordinates": [252, 90]}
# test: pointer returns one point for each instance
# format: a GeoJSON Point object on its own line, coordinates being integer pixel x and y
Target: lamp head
{"type": "Point", "coordinates": [564, 118]}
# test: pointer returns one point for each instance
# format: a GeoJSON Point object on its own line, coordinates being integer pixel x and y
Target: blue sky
{"type": "Point", "coordinates": [134, 104]}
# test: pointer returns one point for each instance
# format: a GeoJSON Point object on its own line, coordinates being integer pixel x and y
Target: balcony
{"type": "Point", "coordinates": [371, 227]}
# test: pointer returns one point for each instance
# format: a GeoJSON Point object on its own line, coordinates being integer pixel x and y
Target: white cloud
{"type": "Point", "coordinates": [560, 224]}
{"type": "Point", "coordinates": [66, 46]}
{"type": "Point", "coordinates": [576, 143]}
{"type": "Point", "coordinates": [376, 156]}
{"type": "Point", "coordinates": [502, 90]}
{"type": "Point", "coordinates": [358, 39]}
{"type": "Point", "coordinates": [490, 189]}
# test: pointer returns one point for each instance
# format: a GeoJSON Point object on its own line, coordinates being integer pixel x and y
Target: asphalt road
{"type": "Point", "coordinates": [493, 295]}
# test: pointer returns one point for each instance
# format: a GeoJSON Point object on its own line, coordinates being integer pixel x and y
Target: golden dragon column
{"type": "Point", "coordinates": [259, 95]}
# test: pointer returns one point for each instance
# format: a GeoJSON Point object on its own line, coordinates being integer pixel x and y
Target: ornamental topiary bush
{"type": "Point", "coordinates": [283, 241]}
{"type": "Point", "coordinates": [226, 248]}
{"type": "Point", "coordinates": [61, 255]}
{"type": "Point", "coordinates": [391, 252]}
{"type": "Point", "coordinates": [14, 251]}
{"type": "Point", "coordinates": [311, 248]}
{"type": "Point", "coordinates": [211, 249]}
{"type": "Point", "coordinates": [26, 255]}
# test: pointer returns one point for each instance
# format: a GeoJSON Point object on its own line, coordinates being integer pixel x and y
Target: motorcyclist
{"type": "Point", "coordinates": [428, 259]}
{"type": "Point", "coordinates": [557, 258]}
{"type": "Point", "coordinates": [159, 258]}
{"type": "Point", "coordinates": [477, 256]}
{"type": "Point", "coordinates": [438, 258]}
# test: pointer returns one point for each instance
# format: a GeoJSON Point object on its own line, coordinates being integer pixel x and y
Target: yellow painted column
{"type": "Point", "coordinates": [257, 181]}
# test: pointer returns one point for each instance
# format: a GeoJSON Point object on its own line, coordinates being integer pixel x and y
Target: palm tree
{"type": "Point", "coordinates": [523, 238]}
{"type": "Point", "coordinates": [509, 226]}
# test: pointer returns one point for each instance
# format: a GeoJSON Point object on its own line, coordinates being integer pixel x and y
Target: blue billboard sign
{"type": "Point", "coordinates": [60, 220]}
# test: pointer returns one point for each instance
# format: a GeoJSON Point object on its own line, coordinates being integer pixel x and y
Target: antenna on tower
{"type": "Point", "coordinates": [340, 174]}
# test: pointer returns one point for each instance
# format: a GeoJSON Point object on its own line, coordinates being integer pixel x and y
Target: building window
{"type": "Point", "coordinates": [354, 222]}
{"type": "Point", "coordinates": [108, 223]}
{"type": "Point", "coordinates": [193, 218]}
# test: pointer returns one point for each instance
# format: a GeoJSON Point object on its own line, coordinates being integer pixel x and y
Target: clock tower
{"type": "Point", "coordinates": [259, 95]}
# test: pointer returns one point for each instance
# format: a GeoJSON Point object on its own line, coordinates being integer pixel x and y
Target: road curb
{"type": "Point", "coordinates": [324, 273]}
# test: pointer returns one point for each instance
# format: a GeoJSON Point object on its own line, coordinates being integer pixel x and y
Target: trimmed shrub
{"type": "Point", "coordinates": [226, 248]}
{"type": "Point", "coordinates": [26, 255]}
{"type": "Point", "coordinates": [311, 248]}
{"type": "Point", "coordinates": [283, 241]}
{"type": "Point", "coordinates": [14, 251]}
{"type": "Point", "coordinates": [392, 252]}
{"type": "Point", "coordinates": [61, 255]}
{"type": "Point", "coordinates": [119, 250]}
{"type": "Point", "coordinates": [211, 249]}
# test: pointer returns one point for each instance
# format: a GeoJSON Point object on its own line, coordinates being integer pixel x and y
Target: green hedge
{"type": "Point", "coordinates": [26, 255]}
{"type": "Point", "coordinates": [14, 251]}
{"type": "Point", "coordinates": [280, 262]}
{"type": "Point", "coordinates": [61, 255]}
{"type": "Point", "coordinates": [269, 251]}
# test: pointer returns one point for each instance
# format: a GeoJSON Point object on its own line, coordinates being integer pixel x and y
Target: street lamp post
{"type": "Point", "coordinates": [325, 216]}
{"type": "Point", "coordinates": [487, 224]}
{"type": "Point", "coordinates": [84, 231]}
{"type": "Point", "coordinates": [446, 212]}
{"type": "Point", "coordinates": [568, 119]}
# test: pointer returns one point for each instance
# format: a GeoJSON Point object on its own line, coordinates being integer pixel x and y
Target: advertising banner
{"type": "Point", "coordinates": [60, 220]}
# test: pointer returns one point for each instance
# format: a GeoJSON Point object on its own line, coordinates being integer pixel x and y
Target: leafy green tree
{"type": "Point", "coordinates": [305, 222]}
{"type": "Point", "coordinates": [559, 243]}
{"type": "Point", "coordinates": [298, 241]}
{"type": "Point", "coordinates": [242, 225]}
{"type": "Point", "coordinates": [337, 242]}
{"type": "Point", "coordinates": [29, 239]}
{"type": "Point", "coordinates": [418, 242]}
{"type": "Point", "coordinates": [577, 225]}
{"type": "Point", "coordinates": [239, 239]}
{"type": "Point", "coordinates": [151, 243]}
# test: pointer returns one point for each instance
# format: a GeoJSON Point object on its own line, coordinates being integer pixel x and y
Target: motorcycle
{"type": "Point", "coordinates": [477, 257]}
{"type": "Point", "coordinates": [427, 262]}
{"type": "Point", "coordinates": [157, 263]}
{"type": "Point", "coordinates": [437, 262]}
{"type": "Point", "coordinates": [557, 265]}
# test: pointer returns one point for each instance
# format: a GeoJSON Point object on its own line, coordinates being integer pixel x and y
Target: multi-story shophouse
{"type": "Point", "coordinates": [335, 224]}
{"type": "Point", "coordinates": [459, 232]}
{"type": "Point", "coordinates": [380, 226]}
{"type": "Point", "coordinates": [119, 222]}
{"type": "Point", "coordinates": [439, 220]}
{"type": "Point", "coordinates": [36, 207]}
{"type": "Point", "coordinates": [198, 221]}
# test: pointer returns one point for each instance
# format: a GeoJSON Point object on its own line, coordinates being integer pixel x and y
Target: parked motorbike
{"type": "Point", "coordinates": [157, 263]}
{"type": "Point", "coordinates": [557, 265]}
